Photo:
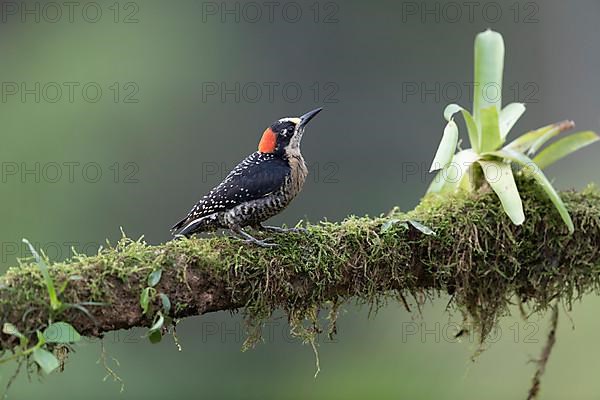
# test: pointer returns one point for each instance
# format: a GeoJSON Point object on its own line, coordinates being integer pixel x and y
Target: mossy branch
{"type": "Point", "coordinates": [477, 256]}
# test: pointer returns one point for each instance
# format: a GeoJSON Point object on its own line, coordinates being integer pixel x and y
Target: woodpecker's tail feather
{"type": "Point", "coordinates": [178, 225]}
{"type": "Point", "coordinates": [187, 227]}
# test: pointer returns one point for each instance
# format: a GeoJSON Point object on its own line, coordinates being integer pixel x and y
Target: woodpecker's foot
{"type": "Point", "coordinates": [260, 243]}
{"type": "Point", "coordinates": [251, 239]}
{"type": "Point", "coordinates": [278, 229]}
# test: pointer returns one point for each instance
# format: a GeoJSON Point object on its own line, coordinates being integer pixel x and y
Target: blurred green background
{"type": "Point", "coordinates": [122, 114]}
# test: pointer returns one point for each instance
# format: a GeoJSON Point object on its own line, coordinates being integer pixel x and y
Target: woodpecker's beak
{"type": "Point", "coordinates": [308, 116]}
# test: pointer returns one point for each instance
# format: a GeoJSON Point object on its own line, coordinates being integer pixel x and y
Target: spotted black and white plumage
{"type": "Point", "coordinates": [259, 187]}
{"type": "Point", "coordinates": [258, 176]}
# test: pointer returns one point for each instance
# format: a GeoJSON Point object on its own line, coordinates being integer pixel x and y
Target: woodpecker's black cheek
{"type": "Point", "coordinates": [283, 141]}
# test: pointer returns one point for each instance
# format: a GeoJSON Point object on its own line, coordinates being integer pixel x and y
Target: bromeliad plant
{"type": "Point", "coordinates": [489, 159]}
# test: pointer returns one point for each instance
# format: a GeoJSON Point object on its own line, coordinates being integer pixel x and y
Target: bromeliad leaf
{"type": "Point", "coordinates": [436, 185]}
{"type": "Point", "coordinates": [447, 147]}
{"type": "Point", "coordinates": [523, 143]}
{"type": "Point", "coordinates": [489, 135]}
{"type": "Point", "coordinates": [500, 177]}
{"type": "Point", "coordinates": [472, 128]}
{"type": "Point", "coordinates": [530, 167]}
{"type": "Point", "coordinates": [531, 141]}
{"type": "Point", "coordinates": [556, 129]}
{"type": "Point", "coordinates": [450, 110]}
{"type": "Point", "coordinates": [509, 117]}
{"type": "Point", "coordinates": [489, 65]}
{"type": "Point", "coordinates": [564, 147]}
{"type": "Point", "coordinates": [451, 177]}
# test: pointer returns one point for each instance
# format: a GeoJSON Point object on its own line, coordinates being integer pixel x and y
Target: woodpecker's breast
{"type": "Point", "coordinates": [298, 173]}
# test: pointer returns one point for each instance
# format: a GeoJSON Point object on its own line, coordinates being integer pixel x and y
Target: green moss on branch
{"type": "Point", "coordinates": [477, 256]}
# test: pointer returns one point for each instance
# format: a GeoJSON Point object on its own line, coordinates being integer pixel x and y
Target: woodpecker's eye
{"type": "Point", "coordinates": [284, 128]}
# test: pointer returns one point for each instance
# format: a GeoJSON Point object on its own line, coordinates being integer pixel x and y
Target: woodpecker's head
{"type": "Point", "coordinates": [285, 134]}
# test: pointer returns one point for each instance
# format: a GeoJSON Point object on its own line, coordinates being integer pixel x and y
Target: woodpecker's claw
{"type": "Point", "coordinates": [261, 243]}
{"type": "Point", "coordinates": [278, 229]}
{"type": "Point", "coordinates": [251, 239]}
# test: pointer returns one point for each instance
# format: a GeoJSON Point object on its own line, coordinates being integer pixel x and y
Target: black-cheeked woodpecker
{"type": "Point", "coordinates": [259, 187]}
